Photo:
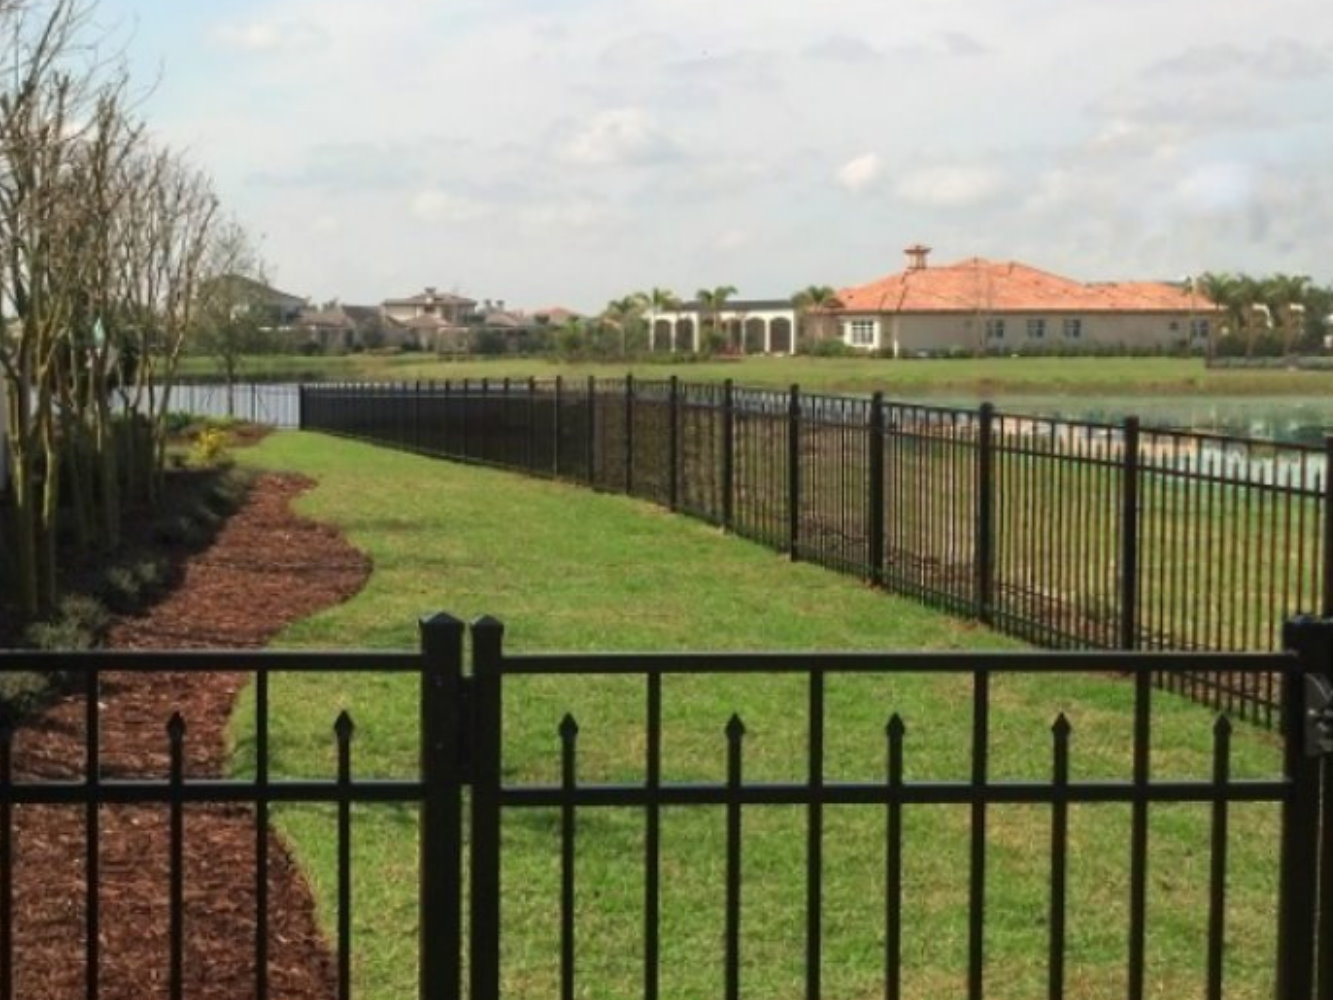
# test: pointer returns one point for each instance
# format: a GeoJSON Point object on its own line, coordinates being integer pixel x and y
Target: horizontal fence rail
{"type": "Point", "coordinates": [1069, 534]}
{"type": "Point", "coordinates": [530, 792]}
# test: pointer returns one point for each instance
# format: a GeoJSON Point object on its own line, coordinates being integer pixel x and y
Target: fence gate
{"type": "Point", "coordinates": [462, 748]}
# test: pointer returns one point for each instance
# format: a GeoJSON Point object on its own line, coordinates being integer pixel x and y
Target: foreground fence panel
{"type": "Point", "coordinates": [542, 797]}
{"type": "Point", "coordinates": [1070, 534]}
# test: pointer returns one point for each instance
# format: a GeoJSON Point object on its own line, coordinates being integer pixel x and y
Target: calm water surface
{"type": "Point", "coordinates": [1296, 419]}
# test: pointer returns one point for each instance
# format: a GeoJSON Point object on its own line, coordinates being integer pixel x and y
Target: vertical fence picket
{"type": "Point", "coordinates": [732, 930]}
{"type": "Point", "coordinates": [875, 492]}
{"type": "Point", "coordinates": [794, 472]}
{"type": "Point", "coordinates": [728, 456]}
{"type": "Point", "coordinates": [484, 940]}
{"type": "Point", "coordinates": [984, 558]}
{"type": "Point", "coordinates": [1129, 537]}
{"type": "Point", "coordinates": [569, 733]}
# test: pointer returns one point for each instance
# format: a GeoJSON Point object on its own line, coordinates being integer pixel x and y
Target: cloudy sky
{"type": "Point", "coordinates": [567, 151]}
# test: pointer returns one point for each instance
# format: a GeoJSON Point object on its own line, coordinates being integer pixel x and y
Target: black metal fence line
{"type": "Point", "coordinates": [463, 745]}
{"type": "Point", "coordinates": [1069, 534]}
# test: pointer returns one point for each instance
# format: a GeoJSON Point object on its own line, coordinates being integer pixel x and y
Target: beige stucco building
{"type": "Point", "coordinates": [980, 305]}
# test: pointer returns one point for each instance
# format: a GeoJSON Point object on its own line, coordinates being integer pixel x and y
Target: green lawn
{"type": "Point", "coordinates": [571, 570]}
{"type": "Point", "coordinates": [981, 376]}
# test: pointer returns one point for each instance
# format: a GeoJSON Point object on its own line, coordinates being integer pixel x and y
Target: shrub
{"type": "Point", "coordinates": [209, 448]}
{"type": "Point", "coordinates": [830, 347]}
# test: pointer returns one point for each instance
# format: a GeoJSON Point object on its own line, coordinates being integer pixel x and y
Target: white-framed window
{"type": "Point", "coordinates": [994, 329]}
{"type": "Point", "coordinates": [1199, 329]}
{"type": "Point", "coordinates": [862, 332]}
{"type": "Point", "coordinates": [1036, 329]}
{"type": "Point", "coordinates": [1073, 328]}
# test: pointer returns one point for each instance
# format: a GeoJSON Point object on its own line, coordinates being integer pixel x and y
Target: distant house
{"type": "Point", "coordinates": [278, 309]}
{"type": "Point", "coordinates": [979, 305]}
{"type": "Point", "coordinates": [344, 328]}
{"type": "Point", "coordinates": [455, 310]}
{"type": "Point", "coordinates": [757, 326]}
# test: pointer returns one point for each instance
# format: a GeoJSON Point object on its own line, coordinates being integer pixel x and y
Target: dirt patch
{"type": "Point", "coordinates": [266, 568]}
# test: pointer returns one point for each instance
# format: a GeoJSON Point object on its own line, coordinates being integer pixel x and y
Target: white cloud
{"type": "Point", "coordinates": [621, 136]}
{"type": "Point", "coordinates": [434, 205]}
{"type": "Point", "coordinates": [1221, 186]}
{"type": "Point", "coordinates": [859, 173]}
{"type": "Point", "coordinates": [949, 186]}
{"type": "Point", "coordinates": [731, 239]}
{"type": "Point", "coordinates": [271, 36]}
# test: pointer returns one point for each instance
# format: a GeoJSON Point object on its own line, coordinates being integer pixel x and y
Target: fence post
{"type": "Point", "coordinates": [629, 435]}
{"type": "Point", "coordinates": [794, 472]}
{"type": "Point", "coordinates": [484, 953]}
{"type": "Point", "coordinates": [300, 407]}
{"type": "Point", "coordinates": [416, 415]}
{"type": "Point", "coordinates": [530, 460]}
{"type": "Point", "coordinates": [502, 455]}
{"type": "Point", "coordinates": [465, 401]}
{"type": "Point", "coordinates": [555, 428]}
{"type": "Point", "coordinates": [875, 494]}
{"type": "Point", "coordinates": [985, 539]}
{"type": "Point", "coordinates": [728, 455]}
{"type": "Point", "coordinates": [440, 838]}
{"type": "Point", "coordinates": [1299, 905]}
{"type": "Point", "coordinates": [592, 430]}
{"type": "Point", "coordinates": [1129, 537]}
{"type": "Point", "coordinates": [1327, 609]}
{"type": "Point", "coordinates": [673, 442]}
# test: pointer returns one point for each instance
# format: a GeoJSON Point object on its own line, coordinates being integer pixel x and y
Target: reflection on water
{"type": "Point", "coordinates": [1294, 419]}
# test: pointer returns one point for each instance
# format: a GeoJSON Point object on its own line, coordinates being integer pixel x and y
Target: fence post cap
{"type": "Point", "coordinates": [439, 620]}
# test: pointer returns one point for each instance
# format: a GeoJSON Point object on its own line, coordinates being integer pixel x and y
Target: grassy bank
{"type": "Point", "coordinates": [571, 570]}
{"type": "Point", "coordinates": [971, 376]}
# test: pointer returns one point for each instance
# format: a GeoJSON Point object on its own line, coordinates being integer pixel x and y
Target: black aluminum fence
{"type": "Point", "coordinates": [463, 927]}
{"type": "Point", "coordinates": [1070, 534]}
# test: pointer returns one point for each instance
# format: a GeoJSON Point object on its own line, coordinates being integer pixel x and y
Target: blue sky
{"type": "Point", "coordinates": [568, 151]}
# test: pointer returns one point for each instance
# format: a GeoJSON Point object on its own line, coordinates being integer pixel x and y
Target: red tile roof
{"type": "Point", "coordinates": [978, 285]}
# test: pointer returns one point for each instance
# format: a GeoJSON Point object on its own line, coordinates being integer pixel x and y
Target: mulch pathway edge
{"type": "Point", "coordinates": [266, 568]}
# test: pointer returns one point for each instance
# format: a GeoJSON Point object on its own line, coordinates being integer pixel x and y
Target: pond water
{"type": "Point", "coordinates": [1295, 419]}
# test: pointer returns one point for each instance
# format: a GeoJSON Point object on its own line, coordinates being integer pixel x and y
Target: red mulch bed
{"type": "Point", "coordinates": [266, 568]}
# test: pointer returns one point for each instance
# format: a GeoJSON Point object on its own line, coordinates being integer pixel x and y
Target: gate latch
{"type": "Point", "coordinates": [1318, 716]}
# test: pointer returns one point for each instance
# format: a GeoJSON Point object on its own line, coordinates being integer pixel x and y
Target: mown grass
{"type": "Point", "coordinates": [992, 377]}
{"type": "Point", "coordinates": [571, 570]}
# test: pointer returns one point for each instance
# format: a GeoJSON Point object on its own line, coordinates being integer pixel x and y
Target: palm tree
{"type": "Point", "coordinates": [711, 302]}
{"type": "Point", "coordinates": [813, 298]}
{"type": "Point", "coordinates": [1284, 294]}
{"type": "Point", "coordinates": [1227, 293]}
{"type": "Point", "coordinates": [623, 313]}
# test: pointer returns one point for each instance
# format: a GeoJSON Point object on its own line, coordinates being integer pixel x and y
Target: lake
{"type": "Point", "coordinates": [1296, 419]}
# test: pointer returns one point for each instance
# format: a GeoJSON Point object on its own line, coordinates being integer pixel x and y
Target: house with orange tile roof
{"type": "Point", "coordinates": [985, 306]}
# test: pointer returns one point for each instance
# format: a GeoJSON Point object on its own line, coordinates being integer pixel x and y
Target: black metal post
{"type": "Point", "coordinates": [875, 493]}
{"type": "Point", "coordinates": [416, 415]}
{"type": "Point", "coordinates": [1129, 537]}
{"type": "Point", "coordinates": [1312, 640]}
{"type": "Point", "coordinates": [441, 832]}
{"type": "Point", "coordinates": [984, 559]}
{"type": "Point", "coordinates": [300, 408]}
{"type": "Point", "coordinates": [592, 430]}
{"type": "Point", "coordinates": [629, 435]}
{"type": "Point", "coordinates": [794, 472]}
{"type": "Point", "coordinates": [555, 427]}
{"type": "Point", "coordinates": [1327, 608]}
{"type": "Point", "coordinates": [673, 443]}
{"type": "Point", "coordinates": [728, 455]}
{"type": "Point", "coordinates": [484, 950]}
{"type": "Point", "coordinates": [530, 459]}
